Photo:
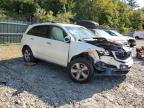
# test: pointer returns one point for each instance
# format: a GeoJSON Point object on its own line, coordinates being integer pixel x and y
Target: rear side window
{"type": "Point", "coordinates": [41, 31]}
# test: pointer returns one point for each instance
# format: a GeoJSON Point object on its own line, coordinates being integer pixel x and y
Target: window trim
{"type": "Point", "coordinates": [34, 34]}
{"type": "Point", "coordinates": [50, 26]}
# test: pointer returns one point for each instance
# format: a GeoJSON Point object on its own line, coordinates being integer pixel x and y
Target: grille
{"type": "Point", "coordinates": [123, 55]}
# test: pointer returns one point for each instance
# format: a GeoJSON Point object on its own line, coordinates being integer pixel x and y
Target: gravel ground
{"type": "Point", "coordinates": [47, 85]}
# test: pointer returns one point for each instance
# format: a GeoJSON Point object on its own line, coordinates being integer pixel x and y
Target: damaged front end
{"type": "Point", "coordinates": [116, 59]}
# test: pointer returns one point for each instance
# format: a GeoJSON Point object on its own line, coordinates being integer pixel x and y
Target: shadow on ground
{"type": "Point", "coordinates": [50, 83]}
{"type": "Point", "coordinates": [139, 61]}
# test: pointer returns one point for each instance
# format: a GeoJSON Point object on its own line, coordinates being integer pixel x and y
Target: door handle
{"type": "Point", "coordinates": [48, 43]}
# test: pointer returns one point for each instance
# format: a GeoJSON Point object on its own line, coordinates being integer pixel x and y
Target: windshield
{"type": "Point", "coordinates": [101, 33]}
{"type": "Point", "coordinates": [115, 32]}
{"type": "Point", "coordinates": [80, 32]}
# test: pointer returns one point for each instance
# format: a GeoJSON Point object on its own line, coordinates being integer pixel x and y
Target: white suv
{"type": "Point", "coordinates": [76, 48]}
{"type": "Point", "coordinates": [117, 35]}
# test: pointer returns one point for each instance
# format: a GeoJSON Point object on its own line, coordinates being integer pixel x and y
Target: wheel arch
{"type": "Point", "coordinates": [81, 55]}
{"type": "Point", "coordinates": [25, 46]}
{"type": "Point", "coordinates": [137, 37]}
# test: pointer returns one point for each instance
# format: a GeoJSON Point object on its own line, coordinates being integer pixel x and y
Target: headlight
{"type": "Point", "coordinates": [102, 53]}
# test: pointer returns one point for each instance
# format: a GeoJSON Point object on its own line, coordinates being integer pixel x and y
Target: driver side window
{"type": "Point", "coordinates": [57, 33]}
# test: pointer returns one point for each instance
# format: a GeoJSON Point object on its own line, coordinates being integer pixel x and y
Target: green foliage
{"type": "Point", "coordinates": [15, 8]}
{"type": "Point", "coordinates": [2, 15]}
{"type": "Point", "coordinates": [137, 20]}
{"type": "Point", "coordinates": [42, 16]}
{"type": "Point", "coordinates": [108, 13]}
{"type": "Point", "coordinates": [64, 17]}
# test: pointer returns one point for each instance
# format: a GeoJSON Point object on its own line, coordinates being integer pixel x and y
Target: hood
{"type": "Point", "coordinates": [116, 38]}
{"type": "Point", "coordinates": [107, 45]}
{"type": "Point", "coordinates": [128, 37]}
{"type": "Point", "coordinates": [119, 38]}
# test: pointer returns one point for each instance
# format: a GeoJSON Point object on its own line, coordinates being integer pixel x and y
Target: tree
{"type": "Point", "coordinates": [2, 14]}
{"type": "Point", "coordinates": [119, 14]}
{"type": "Point", "coordinates": [42, 15]}
{"type": "Point", "coordinates": [137, 20]}
{"type": "Point", "coordinates": [19, 8]}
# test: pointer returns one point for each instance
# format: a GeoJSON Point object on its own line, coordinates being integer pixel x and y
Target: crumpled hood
{"type": "Point", "coordinates": [116, 39]}
{"type": "Point", "coordinates": [108, 45]}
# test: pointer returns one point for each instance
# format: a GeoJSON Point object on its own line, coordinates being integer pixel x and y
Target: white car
{"type": "Point", "coordinates": [74, 47]}
{"type": "Point", "coordinates": [126, 41]}
{"type": "Point", "coordinates": [130, 40]}
{"type": "Point", "coordinates": [138, 35]}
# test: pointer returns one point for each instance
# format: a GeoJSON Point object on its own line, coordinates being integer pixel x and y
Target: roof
{"type": "Point", "coordinates": [60, 24]}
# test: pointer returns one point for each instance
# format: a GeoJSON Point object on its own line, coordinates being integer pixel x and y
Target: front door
{"type": "Point", "coordinates": [56, 50]}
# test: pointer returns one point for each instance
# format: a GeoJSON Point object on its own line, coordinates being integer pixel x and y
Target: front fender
{"type": "Point", "coordinates": [77, 48]}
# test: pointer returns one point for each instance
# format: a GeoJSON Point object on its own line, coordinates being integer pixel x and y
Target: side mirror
{"type": "Point", "coordinates": [67, 39]}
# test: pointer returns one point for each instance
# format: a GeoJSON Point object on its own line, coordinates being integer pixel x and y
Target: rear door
{"type": "Point", "coordinates": [36, 38]}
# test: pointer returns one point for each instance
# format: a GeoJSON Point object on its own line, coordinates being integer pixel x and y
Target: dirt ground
{"type": "Point", "coordinates": [10, 51]}
{"type": "Point", "coordinates": [47, 85]}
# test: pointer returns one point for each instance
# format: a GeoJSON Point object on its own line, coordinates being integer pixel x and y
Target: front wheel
{"type": "Point", "coordinates": [132, 43]}
{"type": "Point", "coordinates": [81, 70]}
{"type": "Point", "coordinates": [137, 37]}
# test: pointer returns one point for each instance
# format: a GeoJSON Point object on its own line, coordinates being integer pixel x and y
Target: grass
{"type": "Point", "coordinates": [10, 51]}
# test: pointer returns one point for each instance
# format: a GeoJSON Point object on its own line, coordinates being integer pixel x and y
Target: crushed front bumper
{"type": "Point", "coordinates": [110, 66]}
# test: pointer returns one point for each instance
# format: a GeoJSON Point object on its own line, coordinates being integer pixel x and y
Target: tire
{"type": "Point", "coordinates": [132, 43]}
{"type": "Point", "coordinates": [137, 37]}
{"type": "Point", "coordinates": [81, 70]}
{"type": "Point", "coordinates": [28, 55]}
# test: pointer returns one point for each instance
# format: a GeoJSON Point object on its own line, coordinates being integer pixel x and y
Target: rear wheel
{"type": "Point", "coordinates": [28, 55]}
{"type": "Point", "coordinates": [81, 70]}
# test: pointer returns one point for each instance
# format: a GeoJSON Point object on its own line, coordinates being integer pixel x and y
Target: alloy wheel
{"type": "Point", "coordinates": [79, 71]}
{"type": "Point", "coordinates": [27, 55]}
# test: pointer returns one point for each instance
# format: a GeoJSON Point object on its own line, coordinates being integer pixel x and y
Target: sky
{"type": "Point", "coordinates": [141, 3]}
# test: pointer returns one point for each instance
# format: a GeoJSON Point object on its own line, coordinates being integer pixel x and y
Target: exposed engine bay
{"type": "Point", "coordinates": [115, 58]}
{"type": "Point", "coordinates": [111, 48]}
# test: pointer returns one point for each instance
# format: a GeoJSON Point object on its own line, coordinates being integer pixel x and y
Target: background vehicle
{"type": "Point", "coordinates": [130, 40]}
{"type": "Point", "coordinates": [129, 34]}
{"type": "Point", "coordinates": [76, 48]}
{"type": "Point", "coordinates": [139, 35]}
{"type": "Point", "coordinates": [107, 36]}
{"type": "Point", "coordinates": [102, 33]}
{"type": "Point", "coordinates": [88, 24]}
